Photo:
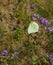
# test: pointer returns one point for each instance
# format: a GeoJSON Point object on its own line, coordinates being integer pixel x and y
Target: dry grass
{"type": "Point", "coordinates": [15, 16]}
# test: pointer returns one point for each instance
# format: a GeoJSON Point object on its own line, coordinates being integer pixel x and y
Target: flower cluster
{"type": "Point", "coordinates": [5, 52]}
{"type": "Point", "coordinates": [43, 21]}
{"type": "Point", "coordinates": [50, 56]}
{"type": "Point", "coordinates": [15, 55]}
{"type": "Point", "coordinates": [35, 17]}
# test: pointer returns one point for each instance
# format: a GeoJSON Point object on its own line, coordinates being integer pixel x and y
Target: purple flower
{"type": "Point", "coordinates": [4, 52]}
{"type": "Point", "coordinates": [44, 21]}
{"type": "Point", "coordinates": [50, 29]}
{"type": "Point", "coordinates": [32, 5]}
{"type": "Point", "coordinates": [50, 56]}
{"type": "Point", "coordinates": [15, 55]}
{"type": "Point", "coordinates": [34, 19]}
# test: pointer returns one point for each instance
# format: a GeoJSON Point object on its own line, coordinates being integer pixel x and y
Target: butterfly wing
{"type": "Point", "coordinates": [33, 27]}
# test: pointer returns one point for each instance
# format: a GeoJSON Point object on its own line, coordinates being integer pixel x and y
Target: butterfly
{"type": "Point", "coordinates": [33, 27]}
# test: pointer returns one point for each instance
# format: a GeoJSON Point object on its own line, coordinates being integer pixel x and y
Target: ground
{"type": "Point", "coordinates": [15, 17]}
